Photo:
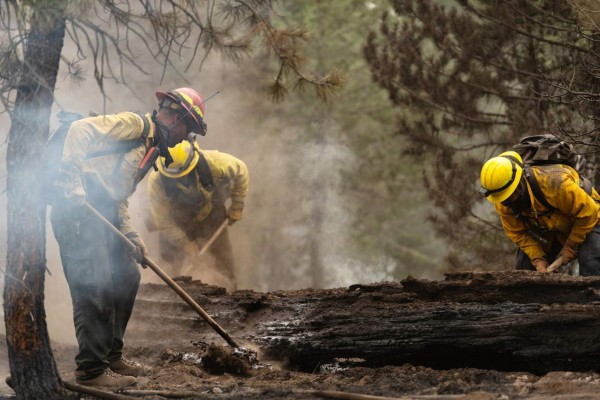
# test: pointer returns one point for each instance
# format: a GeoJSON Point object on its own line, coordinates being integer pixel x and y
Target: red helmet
{"type": "Point", "coordinates": [189, 101]}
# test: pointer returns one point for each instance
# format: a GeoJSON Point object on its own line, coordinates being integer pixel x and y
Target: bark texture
{"type": "Point", "coordinates": [32, 365]}
{"type": "Point", "coordinates": [511, 321]}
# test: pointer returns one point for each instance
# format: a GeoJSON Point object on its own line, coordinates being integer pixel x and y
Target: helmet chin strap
{"type": "Point", "coordinates": [163, 132]}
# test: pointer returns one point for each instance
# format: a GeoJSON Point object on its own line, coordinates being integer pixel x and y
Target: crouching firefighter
{"type": "Point", "coordinates": [103, 159]}
{"type": "Point", "coordinates": [545, 211]}
{"type": "Point", "coordinates": [187, 200]}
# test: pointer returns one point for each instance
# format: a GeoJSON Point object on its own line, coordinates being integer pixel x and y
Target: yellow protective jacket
{"type": "Point", "coordinates": [575, 212]}
{"type": "Point", "coordinates": [179, 205]}
{"type": "Point", "coordinates": [100, 133]}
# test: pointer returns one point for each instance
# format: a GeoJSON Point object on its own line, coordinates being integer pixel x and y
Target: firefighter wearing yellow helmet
{"type": "Point", "coordinates": [187, 200]}
{"type": "Point", "coordinates": [545, 212]}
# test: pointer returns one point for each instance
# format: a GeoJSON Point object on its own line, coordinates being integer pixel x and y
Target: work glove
{"type": "Point", "coordinates": [540, 264]}
{"type": "Point", "coordinates": [141, 251]}
{"type": "Point", "coordinates": [71, 187]}
{"type": "Point", "coordinates": [234, 212]}
{"type": "Point", "coordinates": [569, 252]}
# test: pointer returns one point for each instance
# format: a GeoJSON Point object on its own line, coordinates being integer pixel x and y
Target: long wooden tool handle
{"type": "Point", "coordinates": [186, 297]}
{"type": "Point", "coordinates": [214, 237]}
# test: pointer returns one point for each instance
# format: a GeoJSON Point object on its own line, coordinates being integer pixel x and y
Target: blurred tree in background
{"type": "Point", "coordinates": [467, 80]}
{"type": "Point", "coordinates": [358, 209]}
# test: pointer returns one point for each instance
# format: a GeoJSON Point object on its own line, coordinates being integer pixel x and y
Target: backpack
{"type": "Point", "coordinates": [548, 149]}
{"type": "Point", "coordinates": [55, 145]}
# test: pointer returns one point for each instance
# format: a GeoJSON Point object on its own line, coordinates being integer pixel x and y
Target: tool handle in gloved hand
{"type": "Point", "coordinates": [166, 278]}
{"type": "Point", "coordinates": [556, 264]}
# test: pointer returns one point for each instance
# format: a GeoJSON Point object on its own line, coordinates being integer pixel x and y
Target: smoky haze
{"type": "Point", "coordinates": [271, 242]}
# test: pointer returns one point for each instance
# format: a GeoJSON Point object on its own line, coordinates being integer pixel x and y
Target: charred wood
{"type": "Point", "coordinates": [511, 321]}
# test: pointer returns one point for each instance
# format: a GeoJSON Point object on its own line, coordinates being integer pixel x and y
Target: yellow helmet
{"type": "Point", "coordinates": [500, 176]}
{"type": "Point", "coordinates": [185, 157]}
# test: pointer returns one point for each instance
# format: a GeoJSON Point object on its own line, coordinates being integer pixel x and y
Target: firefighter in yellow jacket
{"type": "Point", "coordinates": [101, 161]}
{"type": "Point", "coordinates": [187, 200]}
{"type": "Point", "coordinates": [558, 218]}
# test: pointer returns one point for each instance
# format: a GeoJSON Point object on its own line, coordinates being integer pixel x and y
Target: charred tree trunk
{"type": "Point", "coordinates": [511, 321]}
{"type": "Point", "coordinates": [32, 366]}
{"type": "Point", "coordinates": [505, 322]}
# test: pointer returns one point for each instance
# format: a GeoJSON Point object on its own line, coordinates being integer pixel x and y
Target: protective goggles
{"type": "Point", "coordinates": [486, 192]}
{"type": "Point", "coordinates": [191, 126]}
{"type": "Point", "coordinates": [167, 102]}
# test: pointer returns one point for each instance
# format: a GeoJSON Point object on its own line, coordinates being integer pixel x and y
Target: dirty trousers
{"type": "Point", "coordinates": [588, 256]}
{"type": "Point", "coordinates": [103, 280]}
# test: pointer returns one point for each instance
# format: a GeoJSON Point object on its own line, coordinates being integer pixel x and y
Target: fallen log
{"type": "Point", "coordinates": [509, 321]}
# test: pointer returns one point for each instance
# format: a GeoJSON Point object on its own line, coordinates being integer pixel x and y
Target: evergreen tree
{"type": "Point", "coordinates": [32, 46]}
{"type": "Point", "coordinates": [468, 79]}
{"type": "Point", "coordinates": [357, 210]}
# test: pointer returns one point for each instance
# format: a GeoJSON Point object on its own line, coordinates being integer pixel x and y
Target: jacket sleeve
{"type": "Point", "coordinates": [572, 200]}
{"type": "Point", "coordinates": [516, 230]}
{"type": "Point", "coordinates": [124, 218]}
{"type": "Point", "coordinates": [160, 207]}
{"type": "Point", "coordinates": [225, 167]}
{"type": "Point", "coordinates": [95, 133]}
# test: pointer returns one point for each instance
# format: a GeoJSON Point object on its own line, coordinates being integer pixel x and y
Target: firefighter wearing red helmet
{"type": "Point", "coordinates": [103, 159]}
{"type": "Point", "coordinates": [189, 104]}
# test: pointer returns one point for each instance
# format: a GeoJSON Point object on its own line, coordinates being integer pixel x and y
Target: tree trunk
{"type": "Point", "coordinates": [316, 235]}
{"type": "Point", "coordinates": [32, 366]}
{"type": "Point", "coordinates": [511, 321]}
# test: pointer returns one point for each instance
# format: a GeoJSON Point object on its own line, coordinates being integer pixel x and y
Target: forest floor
{"type": "Point", "coordinates": [180, 350]}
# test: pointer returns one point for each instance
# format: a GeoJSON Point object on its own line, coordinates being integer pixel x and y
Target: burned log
{"type": "Point", "coordinates": [520, 321]}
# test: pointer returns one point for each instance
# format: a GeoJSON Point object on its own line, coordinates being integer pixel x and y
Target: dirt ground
{"type": "Point", "coordinates": [275, 382]}
{"type": "Point", "coordinates": [182, 372]}
{"type": "Point", "coordinates": [188, 360]}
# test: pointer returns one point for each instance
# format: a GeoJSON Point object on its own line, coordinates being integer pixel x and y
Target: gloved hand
{"type": "Point", "coordinates": [569, 251]}
{"type": "Point", "coordinates": [71, 187]}
{"type": "Point", "coordinates": [234, 212]}
{"type": "Point", "coordinates": [141, 251]}
{"type": "Point", "coordinates": [540, 264]}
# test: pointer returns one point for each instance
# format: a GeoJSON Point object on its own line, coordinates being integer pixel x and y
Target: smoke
{"type": "Point", "coordinates": [296, 227]}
